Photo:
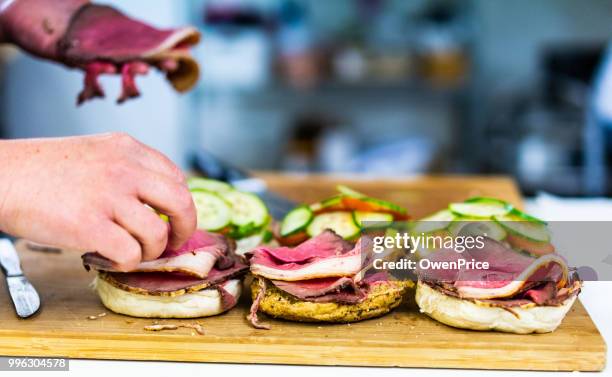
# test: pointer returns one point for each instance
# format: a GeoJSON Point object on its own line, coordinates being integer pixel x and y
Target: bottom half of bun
{"type": "Point", "coordinates": [381, 299]}
{"type": "Point", "coordinates": [204, 303]}
{"type": "Point", "coordinates": [467, 314]}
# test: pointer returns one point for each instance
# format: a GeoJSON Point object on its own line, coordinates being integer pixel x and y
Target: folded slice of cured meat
{"type": "Point", "coordinates": [509, 272]}
{"type": "Point", "coordinates": [99, 40]}
{"type": "Point", "coordinates": [343, 290]}
{"type": "Point", "coordinates": [170, 283]}
{"type": "Point", "coordinates": [327, 255]}
{"type": "Point", "coordinates": [314, 287]}
{"type": "Point", "coordinates": [324, 245]}
{"type": "Point", "coordinates": [196, 257]}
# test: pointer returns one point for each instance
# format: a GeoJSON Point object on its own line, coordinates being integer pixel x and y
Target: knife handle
{"type": "Point", "coordinates": [9, 260]}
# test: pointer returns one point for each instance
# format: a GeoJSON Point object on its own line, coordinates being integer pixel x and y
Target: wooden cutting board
{"type": "Point", "coordinates": [403, 338]}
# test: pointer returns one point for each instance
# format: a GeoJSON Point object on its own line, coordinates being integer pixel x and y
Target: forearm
{"type": "Point", "coordinates": [11, 156]}
{"type": "Point", "coordinates": [23, 165]}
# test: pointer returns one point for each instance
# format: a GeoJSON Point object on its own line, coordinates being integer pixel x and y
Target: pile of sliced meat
{"type": "Point", "coordinates": [206, 260]}
{"type": "Point", "coordinates": [99, 40]}
{"type": "Point", "coordinates": [513, 279]}
{"type": "Point", "coordinates": [325, 268]}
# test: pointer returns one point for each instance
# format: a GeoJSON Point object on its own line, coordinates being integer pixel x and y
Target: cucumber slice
{"type": "Point", "coordinates": [267, 236]}
{"type": "Point", "coordinates": [438, 221]}
{"type": "Point", "coordinates": [340, 222]}
{"type": "Point", "coordinates": [519, 213]}
{"type": "Point", "coordinates": [345, 190]}
{"type": "Point", "coordinates": [296, 220]}
{"type": "Point", "coordinates": [375, 219]}
{"type": "Point", "coordinates": [213, 212]}
{"type": "Point", "coordinates": [329, 204]}
{"type": "Point", "coordinates": [238, 232]}
{"type": "Point", "coordinates": [246, 244]}
{"type": "Point", "coordinates": [482, 208]}
{"type": "Point", "coordinates": [484, 199]}
{"type": "Point", "coordinates": [199, 183]}
{"type": "Point", "coordinates": [477, 227]}
{"type": "Point", "coordinates": [247, 209]}
{"type": "Point", "coordinates": [530, 230]}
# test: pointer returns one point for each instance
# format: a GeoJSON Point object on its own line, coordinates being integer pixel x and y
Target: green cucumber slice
{"type": "Point", "coordinates": [477, 227]}
{"type": "Point", "coordinates": [340, 222]}
{"type": "Point", "coordinates": [267, 236]}
{"type": "Point", "coordinates": [482, 208]}
{"type": "Point", "coordinates": [238, 232]}
{"type": "Point", "coordinates": [296, 220]}
{"type": "Point", "coordinates": [345, 190]}
{"type": "Point", "coordinates": [376, 219]}
{"type": "Point", "coordinates": [438, 221]}
{"type": "Point", "coordinates": [326, 203]}
{"type": "Point", "coordinates": [521, 214]}
{"type": "Point", "coordinates": [247, 209]}
{"type": "Point", "coordinates": [212, 211]}
{"type": "Point", "coordinates": [384, 205]}
{"type": "Point", "coordinates": [530, 230]}
{"type": "Point", "coordinates": [484, 199]}
{"type": "Point", "coordinates": [199, 183]}
{"type": "Point", "coordinates": [246, 244]}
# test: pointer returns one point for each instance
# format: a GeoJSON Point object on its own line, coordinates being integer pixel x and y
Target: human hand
{"type": "Point", "coordinates": [89, 194]}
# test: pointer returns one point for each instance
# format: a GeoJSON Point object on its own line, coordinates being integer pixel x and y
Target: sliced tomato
{"type": "Point", "coordinates": [293, 239]}
{"type": "Point", "coordinates": [532, 247]}
{"type": "Point", "coordinates": [374, 205]}
{"type": "Point", "coordinates": [350, 200]}
{"type": "Point", "coordinates": [226, 230]}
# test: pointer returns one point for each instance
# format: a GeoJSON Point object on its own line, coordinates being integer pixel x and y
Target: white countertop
{"type": "Point", "coordinates": [595, 296]}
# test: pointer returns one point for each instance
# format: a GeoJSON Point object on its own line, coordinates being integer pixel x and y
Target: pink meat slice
{"type": "Point", "coordinates": [166, 282]}
{"type": "Point", "coordinates": [542, 294]}
{"type": "Point", "coordinates": [228, 300]}
{"type": "Point", "coordinates": [324, 245]}
{"type": "Point", "coordinates": [326, 255]}
{"type": "Point", "coordinates": [252, 317]}
{"type": "Point", "coordinates": [99, 40]}
{"type": "Point", "coordinates": [314, 287]}
{"type": "Point", "coordinates": [196, 257]}
{"type": "Point", "coordinates": [199, 240]}
{"type": "Point", "coordinates": [339, 290]}
{"type": "Point", "coordinates": [509, 272]}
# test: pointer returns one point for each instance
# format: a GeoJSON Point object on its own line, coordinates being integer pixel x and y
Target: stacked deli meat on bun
{"type": "Point", "coordinates": [526, 288]}
{"type": "Point", "coordinates": [320, 280]}
{"type": "Point", "coordinates": [201, 278]}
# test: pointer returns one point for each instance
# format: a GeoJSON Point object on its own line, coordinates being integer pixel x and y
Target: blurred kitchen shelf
{"type": "Point", "coordinates": [365, 88]}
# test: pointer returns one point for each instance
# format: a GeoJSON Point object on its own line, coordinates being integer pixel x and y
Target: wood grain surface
{"type": "Point", "coordinates": [403, 338]}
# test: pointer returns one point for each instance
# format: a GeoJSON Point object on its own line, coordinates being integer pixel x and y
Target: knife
{"type": "Point", "coordinates": [25, 298]}
{"type": "Point", "coordinates": [210, 166]}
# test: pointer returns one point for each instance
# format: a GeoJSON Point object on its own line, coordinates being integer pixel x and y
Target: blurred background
{"type": "Point", "coordinates": [382, 87]}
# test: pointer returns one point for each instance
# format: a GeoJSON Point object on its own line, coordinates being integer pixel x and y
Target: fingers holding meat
{"type": "Point", "coordinates": [145, 226]}
{"type": "Point", "coordinates": [155, 190]}
{"type": "Point", "coordinates": [115, 243]}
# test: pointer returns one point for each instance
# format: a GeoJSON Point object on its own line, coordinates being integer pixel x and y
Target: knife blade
{"type": "Point", "coordinates": [210, 166]}
{"type": "Point", "coordinates": [23, 294]}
